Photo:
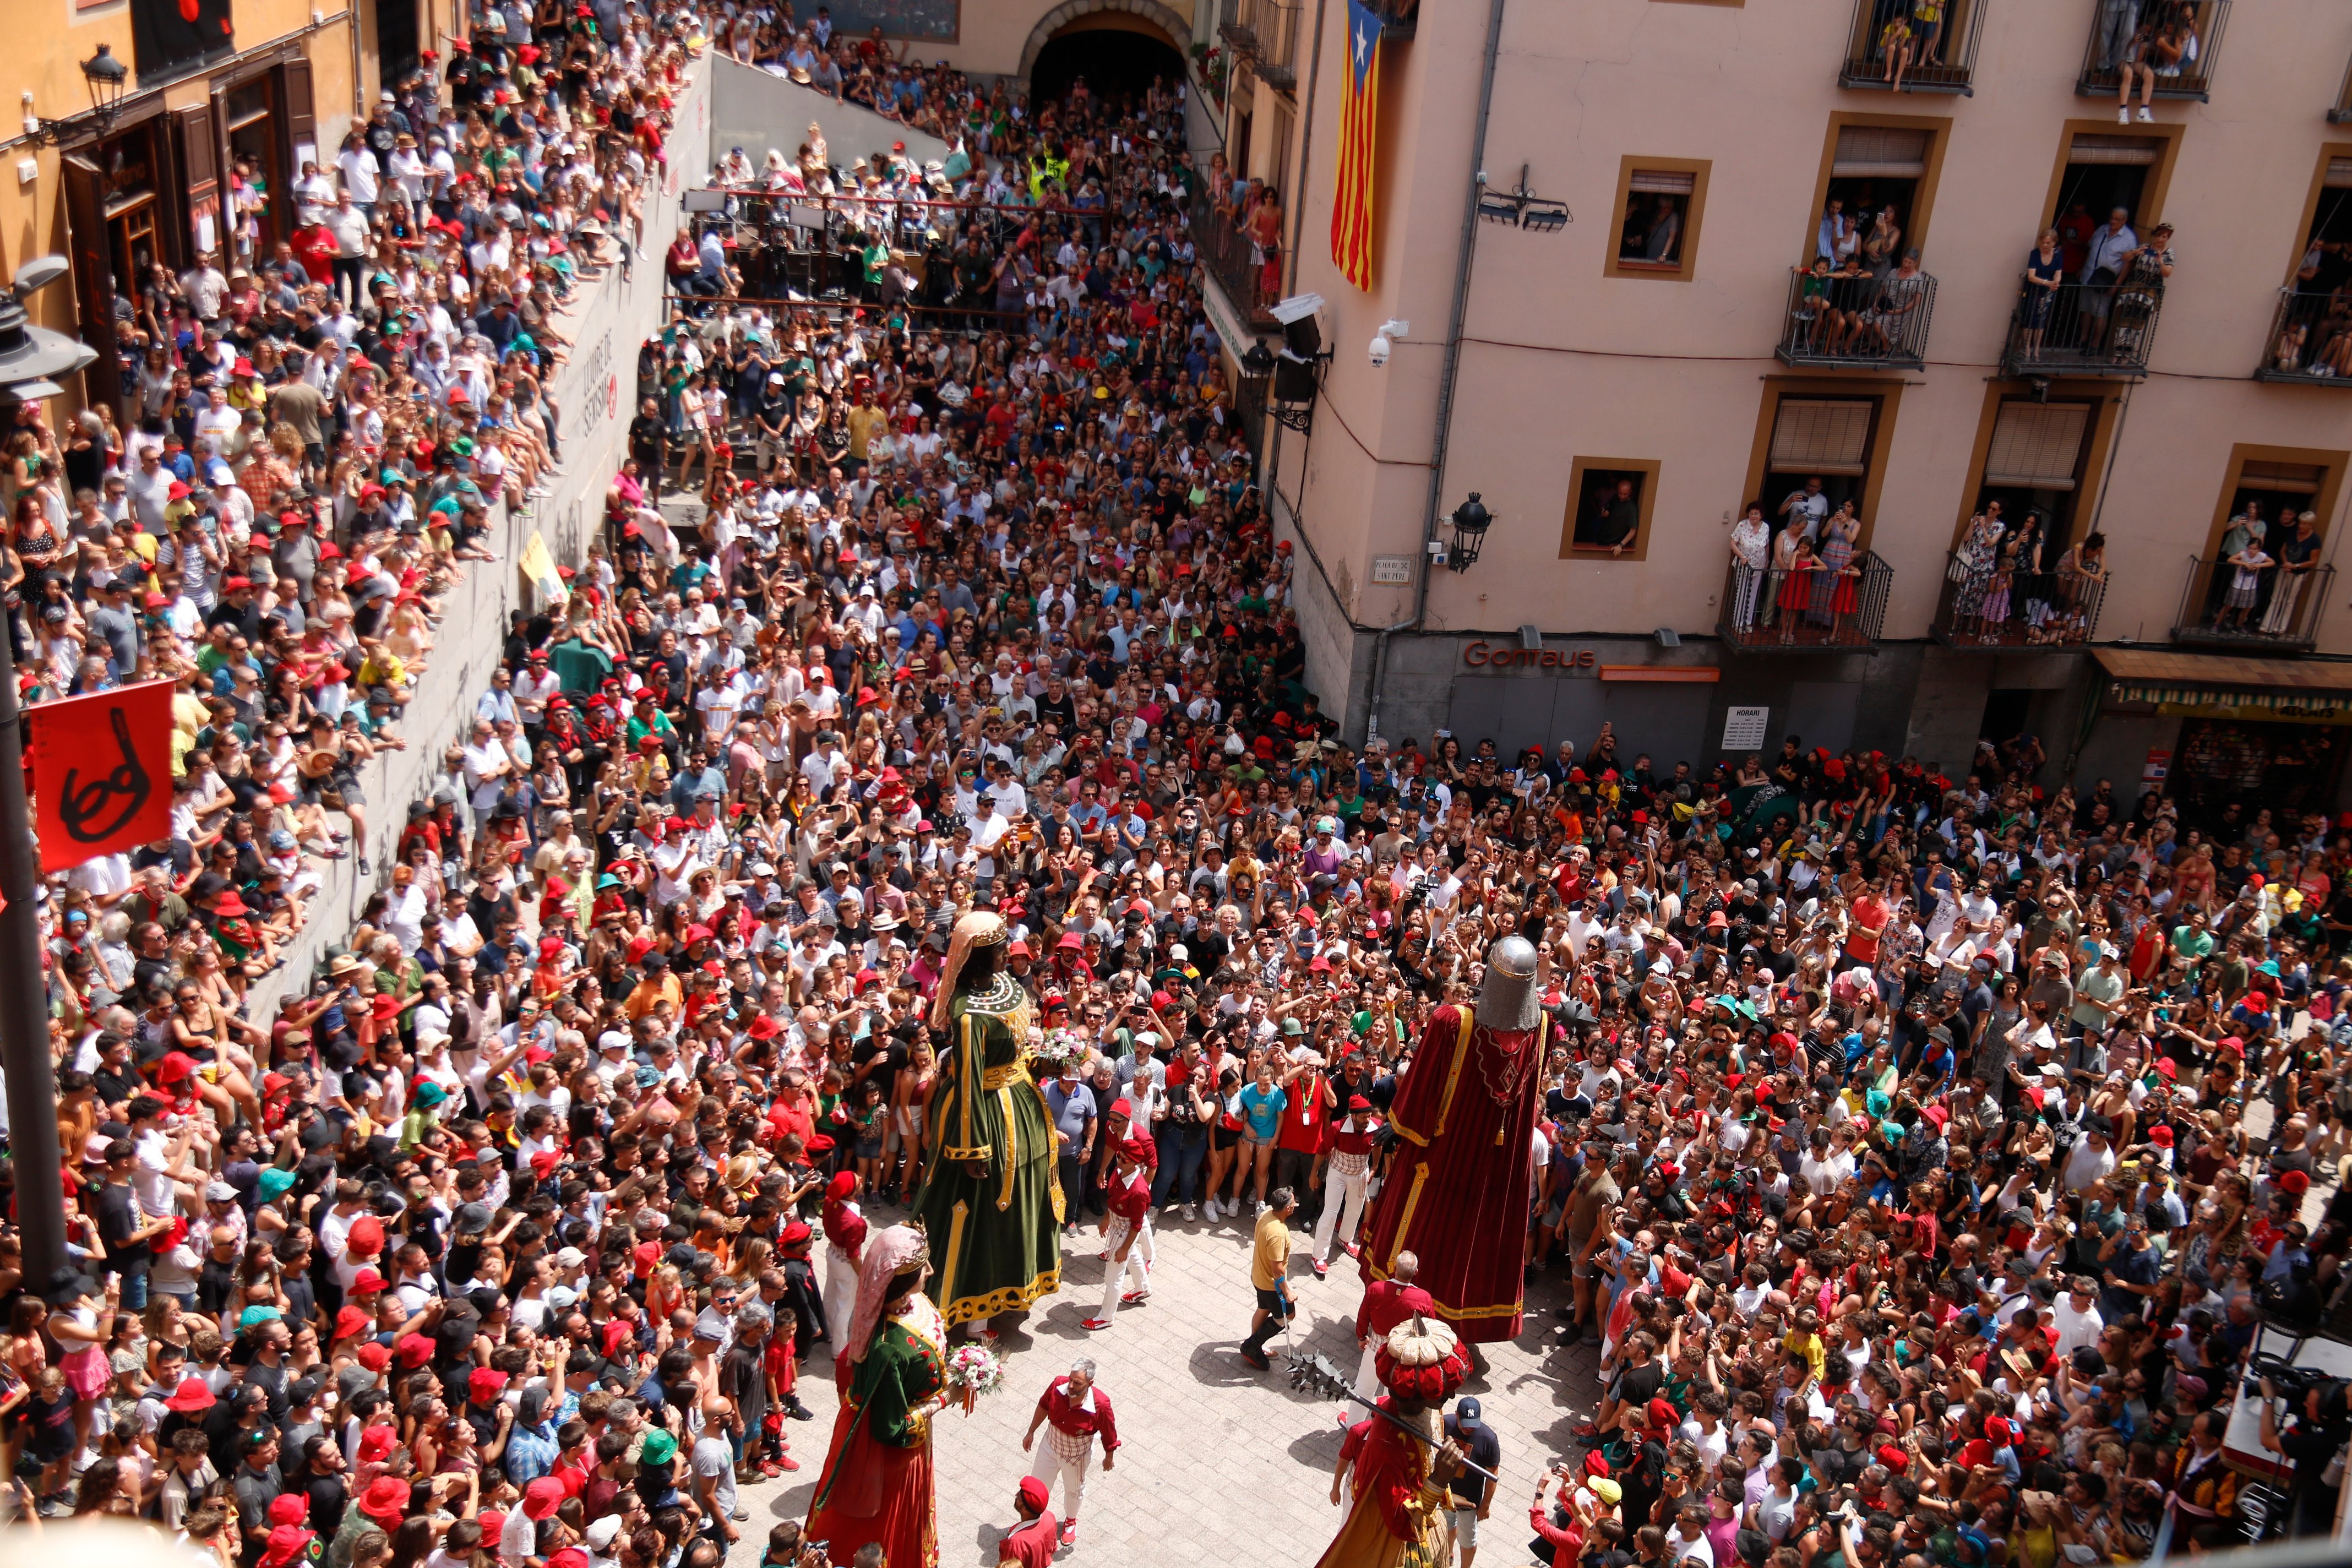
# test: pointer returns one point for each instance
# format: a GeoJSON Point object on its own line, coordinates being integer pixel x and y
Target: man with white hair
{"type": "Point", "coordinates": [1075, 1410]}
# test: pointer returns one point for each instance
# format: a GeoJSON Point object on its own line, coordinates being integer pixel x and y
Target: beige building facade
{"type": "Point", "coordinates": [1624, 385]}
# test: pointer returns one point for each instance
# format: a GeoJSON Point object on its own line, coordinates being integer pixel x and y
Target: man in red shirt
{"type": "Point", "coordinates": [1032, 1542]}
{"type": "Point", "coordinates": [1076, 1413]}
{"type": "Point", "coordinates": [1344, 1179]}
{"type": "Point", "coordinates": [1388, 1302]}
{"type": "Point", "coordinates": [1126, 1228]}
{"type": "Point", "coordinates": [1869, 914]}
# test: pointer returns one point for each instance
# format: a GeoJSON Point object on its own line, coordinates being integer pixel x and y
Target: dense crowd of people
{"type": "Point", "coordinates": [1890, 1137]}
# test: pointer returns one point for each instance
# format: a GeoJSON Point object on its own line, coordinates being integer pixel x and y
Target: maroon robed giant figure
{"type": "Point", "coordinates": [1456, 1190]}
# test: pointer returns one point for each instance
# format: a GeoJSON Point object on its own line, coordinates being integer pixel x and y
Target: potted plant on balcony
{"type": "Point", "coordinates": [1210, 58]}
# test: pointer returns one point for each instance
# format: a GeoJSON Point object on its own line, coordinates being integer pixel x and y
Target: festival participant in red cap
{"type": "Point", "coordinates": [1399, 1483]}
{"type": "Point", "coordinates": [1033, 1541]}
{"type": "Point", "coordinates": [1125, 1228]}
{"type": "Point", "coordinates": [845, 1242]}
{"type": "Point", "coordinates": [1344, 1180]}
{"type": "Point", "coordinates": [1075, 1412]}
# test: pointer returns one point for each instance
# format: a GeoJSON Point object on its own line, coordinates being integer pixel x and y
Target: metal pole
{"type": "Point", "coordinates": [25, 1014]}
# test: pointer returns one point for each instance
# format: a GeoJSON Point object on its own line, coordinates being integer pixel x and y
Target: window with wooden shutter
{"type": "Point", "coordinates": [1822, 436]}
{"type": "Point", "coordinates": [2037, 445]}
{"type": "Point", "coordinates": [301, 123]}
{"type": "Point", "coordinates": [2133, 150]}
{"type": "Point", "coordinates": [1880, 152]}
{"type": "Point", "coordinates": [1664, 182]}
{"type": "Point", "coordinates": [2339, 174]}
{"type": "Point", "coordinates": [2291, 479]}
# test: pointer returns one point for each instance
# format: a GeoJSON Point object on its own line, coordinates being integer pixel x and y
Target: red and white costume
{"type": "Point", "coordinates": [1066, 1448]}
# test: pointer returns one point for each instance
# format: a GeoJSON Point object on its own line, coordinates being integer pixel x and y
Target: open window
{"type": "Point", "coordinates": [2100, 172]}
{"type": "Point", "coordinates": [1876, 171]}
{"type": "Point", "coordinates": [1659, 204]}
{"type": "Point", "coordinates": [1610, 503]}
{"type": "Point", "coordinates": [1818, 457]}
{"type": "Point", "coordinates": [2037, 465]}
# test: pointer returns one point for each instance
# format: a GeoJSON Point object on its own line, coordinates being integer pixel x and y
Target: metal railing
{"type": "Point", "coordinates": [1236, 25]}
{"type": "Point", "coordinates": [2225, 605]}
{"type": "Point", "coordinates": [966, 318]}
{"type": "Point", "coordinates": [2082, 329]}
{"type": "Point", "coordinates": [1858, 320]}
{"type": "Point", "coordinates": [1991, 608]}
{"type": "Point", "coordinates": [1770, 611]}
{"type": "Point", "coordinates": [2310, 341]}
{"type": "Point", "coordinates": [2124, 29]}
{"type": "Point", "coordinates": [1275, 24]}
{"type": "Point", "coordinates": [1225, 251]}
{"type": "Point", "coordinates": [1939, 57]}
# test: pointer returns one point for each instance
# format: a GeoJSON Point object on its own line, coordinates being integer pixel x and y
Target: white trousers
{"type": "Point", "coordinates": [1137, 1268]}
{"type": "Point", "coordinates": [1341, 1214]}
{"type": "Point", "coordinates": [1054, 1462]}
{"type": "Point", "coordinates": [840, 1298]}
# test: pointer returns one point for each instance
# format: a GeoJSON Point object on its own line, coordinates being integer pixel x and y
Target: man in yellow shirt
{"type": "Point", "coordinates": [864, 421]}
{"type": "Point", "coordinates": [1270, 1274]}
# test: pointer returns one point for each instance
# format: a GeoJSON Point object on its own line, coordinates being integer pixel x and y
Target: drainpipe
{"type": "Point", "coordinates": [1453, 357]}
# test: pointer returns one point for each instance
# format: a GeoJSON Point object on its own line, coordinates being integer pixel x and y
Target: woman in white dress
{"type": "Point", "coordinates": [1751, 548]}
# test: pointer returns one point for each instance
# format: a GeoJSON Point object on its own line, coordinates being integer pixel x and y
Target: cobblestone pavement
{"type": "Point", "coordinates": [1220, 1463]}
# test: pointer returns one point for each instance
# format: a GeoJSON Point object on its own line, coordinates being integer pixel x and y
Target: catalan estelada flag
{"type": "Point", "coordinates": [1360, 105]}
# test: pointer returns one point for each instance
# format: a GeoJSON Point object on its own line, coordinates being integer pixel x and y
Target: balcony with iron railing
{"type": "Point", "coordinates": [2180, 39]}
{"type": "Point", "coordinates": [1237, 27]}
{"type": "Point", "coordinates": [2274, 608]}
{"type": "Point", "coordinates": [2311, 339]}
{"type": "Point", "coordinates": [1766, 610]}
{"type": "Point", "coordinates": [1889, 49]}
{"type": "Point", "coordinates": [1858, 322]}
{"type": "Point", "coordinates": [1987, 609]}
{"type": "Point", "coordinates": [1275, 24]}
{"type": "Point", "coordinates": [1225, 251]}
{"type": "Point", "coordinates": [2082, 329]}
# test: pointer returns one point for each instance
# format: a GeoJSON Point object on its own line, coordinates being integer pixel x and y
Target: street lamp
{"type": "Point", "coordinates": [1470, 520]}
{"type": "Point", "coordinates": [105, 77]}
{"type": "Point", "coordinates": [1257, 361]}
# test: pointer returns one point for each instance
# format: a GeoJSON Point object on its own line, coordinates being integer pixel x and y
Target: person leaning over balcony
{"type": "Point", "coordinates": [2081, 572]}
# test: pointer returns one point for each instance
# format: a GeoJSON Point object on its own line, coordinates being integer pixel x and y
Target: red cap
{"type": "Point", "coordinates": [386, 1498]}
{"type": "Point", "coordinates": [485, 1383]}
{"type": "Point", "coordinates": [541, 1499]}
{"type": "Point", "coordinates": [367, 1282]}
{"type": "Point", "coordinates": [1034, 1493]}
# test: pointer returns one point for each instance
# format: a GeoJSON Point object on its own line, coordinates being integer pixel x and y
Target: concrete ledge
{"type": "Point", "coordinates": [595, 393]}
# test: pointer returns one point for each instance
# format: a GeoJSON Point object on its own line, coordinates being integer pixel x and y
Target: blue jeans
{"type": "Point", "coordinates": [134, 1290]}
{"type": "Point", "coordinates": [1182, 1151]}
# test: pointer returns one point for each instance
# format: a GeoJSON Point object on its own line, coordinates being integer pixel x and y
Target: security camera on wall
{"type": "Point", "coordinates": [1384, 341]}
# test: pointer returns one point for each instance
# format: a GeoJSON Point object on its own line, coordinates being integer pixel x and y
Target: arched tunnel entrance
{"type": "Point", "coordinates": [1118, 54]}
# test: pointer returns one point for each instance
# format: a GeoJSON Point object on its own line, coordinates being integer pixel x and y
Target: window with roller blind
{"type": "Point", "coordinates": [1659, 204]}
{"type": "Point", "coordinates": [1873, 166]}
{"type": "Point", "coordinates": [1829, 439]}
{"type": "Point", "coordinates": [2036, 464]}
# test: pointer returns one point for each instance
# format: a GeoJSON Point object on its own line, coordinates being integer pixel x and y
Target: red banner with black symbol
{"type": "Point", "coordinates": [101, 772]}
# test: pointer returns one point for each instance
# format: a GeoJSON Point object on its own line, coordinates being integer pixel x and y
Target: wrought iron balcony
{"type": "Point", "coordinates": [2224, 605]}
{"type": "Point", "coordinates": [2081, 329]}
{"type": "Point", "coordinates": [1934, 57]}
{"type": "Point", "coordinates": [1804, 611]}
{"type": "Point", "coordinates": [2181, 38]}
{"type": "Point", "coordinates": [2311, 339]}
{"type": "Point", "coordinates": [1989, 609]}
{"type": "Point", "coordinates": [1859, 322]}
{"type": "Point", "coordinates": [1237, 26]}
{"type": "Point", "coordinates": [1275, 24]}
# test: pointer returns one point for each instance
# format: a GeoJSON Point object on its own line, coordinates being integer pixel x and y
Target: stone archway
{"type": "Point", "coordinates": [1150, 13]}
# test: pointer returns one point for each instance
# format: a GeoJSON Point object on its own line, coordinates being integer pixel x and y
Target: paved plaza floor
{"type": "Point", "coordinates": [1220, 1463]}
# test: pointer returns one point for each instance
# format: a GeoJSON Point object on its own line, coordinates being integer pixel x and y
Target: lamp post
{"type": "Point", "coordinates": [1470, 520]}
{"type": "Point", "coordinates": [105, 77]}
{"type": "Point", "coordinates": [32, 359]}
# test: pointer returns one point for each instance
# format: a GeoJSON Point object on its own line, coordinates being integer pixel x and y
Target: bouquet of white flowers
{"type": "Point", "coordinates": [972, 1370]}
